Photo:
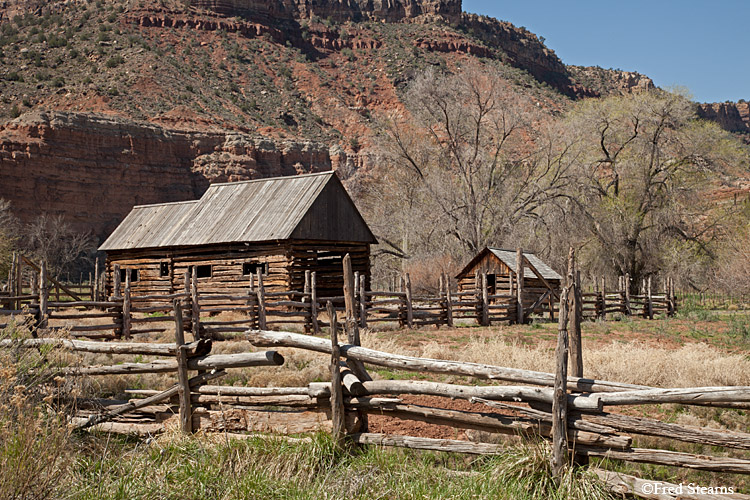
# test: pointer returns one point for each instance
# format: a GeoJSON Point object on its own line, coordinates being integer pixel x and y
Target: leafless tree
{"type": "Point", "coordinates": [8, 236]}
{"type": "Point", "coordinates": [49, 238]}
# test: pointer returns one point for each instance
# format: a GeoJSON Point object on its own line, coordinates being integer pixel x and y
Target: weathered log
{"type": "Point", "coordinates": [96, 347]}
{"type": "Point", "coordinates": [687, 395]}
{"type": "Point", "coordinates": [216, 361]}
{"type": "Point", "coordinates": [624, 484]}
{"type": "Point", "coordinates": [292, 400]}
{"type": "Point", "coordinates": [559, 397]}
{"type": "Point", "coordinates": [289, 339]}
{"type": "Point", "coordinates": [449, 445]}
{"type": "Point", "coordinates": [183, 383]}
{"type": "Point", "coordinates": [131, 429]}
{"type": "Point", "coordinates": [671, 458]}
{"type": "Point", "coordinates": [337, 395]}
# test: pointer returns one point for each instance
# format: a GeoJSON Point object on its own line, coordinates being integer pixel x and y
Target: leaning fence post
{"type": "Point", "coordinates": [261, 302]}
{"type": "Point", "coordinates": [560, 395]}
{"type": "Point", "coordinates": [519, 287]}
{"type": "Point", "coordinates": [183, 384]}
{"type": "Point", "coordinates": [409, 310]}
{"type": "Point", "coordinates": [314, 304]}
{"type": "Point", "coordinates": [126, 315]}
{"type": "Point", "coordinates": [337, 393]}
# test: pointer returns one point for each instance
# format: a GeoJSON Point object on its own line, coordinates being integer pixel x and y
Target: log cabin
{"type": "Point", "coordinates": [280, 226]}
{"type": "Point", "coordinates": [500, 266]}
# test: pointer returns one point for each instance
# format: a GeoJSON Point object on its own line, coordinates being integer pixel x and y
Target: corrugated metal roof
{"type": "Point", "coordinates": [509, 258]}
{"type": "Point", "coordinates": [248, 211]}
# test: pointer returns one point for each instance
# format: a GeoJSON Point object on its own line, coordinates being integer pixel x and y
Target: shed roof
{"type": "Point", "coordinates": [508, 257]}
{"type": "Point", "coordinates": [312, 206]}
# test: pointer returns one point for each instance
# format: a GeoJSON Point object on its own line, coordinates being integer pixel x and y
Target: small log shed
{"type": "Point", "coordinates": [282, 226]}
{"type": "Point", "coordinates": [500, 266]}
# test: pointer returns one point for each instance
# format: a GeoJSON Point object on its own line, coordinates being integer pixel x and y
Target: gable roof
{"type": "Point", "coordinates": [508, 257]}
{"type": "Point", "coordinates": [312, 206]}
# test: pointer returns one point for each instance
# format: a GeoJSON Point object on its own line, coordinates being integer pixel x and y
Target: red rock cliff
{"type": "Point", "coordinates": [94, 168]}
{"type": "Point", "coordinates": [731, 116]}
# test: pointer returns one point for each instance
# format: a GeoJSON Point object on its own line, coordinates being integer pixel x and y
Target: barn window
{"type": "Point", "coordinates": [249, 268]}
{"type": "Point", "coordinates": [203, 271]}
{"type": "Point", "coordinates": [164, 269]}
{"type": "Point", "coordinates": [133, 275]}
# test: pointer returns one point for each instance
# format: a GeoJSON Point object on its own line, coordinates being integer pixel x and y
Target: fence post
{"type": "Point", "coordinates": [18, 281]}
{"type": "Point", "coordinates": [12, 280]}
{"type": "Point", "coordinates": [356, 298]}
{"type": "Point", "coordinates": [43, 295]}
{"type": "Point", "coordinates": [95, 284]}
{"type": "Point", "coordinates": [485, 302]}
{"type": "Point", "coordinates": [183, 385]}
{"type": "Point", "coordinates": [126, 316]}
{"type": "Point", "coordinates": [402, 303]}
{"type": "Point", "coordinates": [560, 395]}
{"type": "Point", "coordinates": [261, 302]}
{"type": "Point", "coordinates": [650, 299]}
{"type": "Point", "coordinates": [116, 281]}
{"type": "Point", "coordinates": [409, 310]}
{"type": "Point", "coordinates": [195, 315]}
{"type": "Point", "coordinates": [337, 393]}
{"type": "Point", "coordinates": [448, 303]}
{"type": "Point", "coordinates": [362, 303]}
{"type": "Point", "coordinates": [576, 348]}
{"type": "Point", "coordinates": [604, 299]}
{"type": "Point", "coordinates": [305, 298]}
{"type": "Point", "coordinates": [628, 310]}
{"type": "Point", "coordinates": [519, 287]}
{"type": "Point", "coordinates": [314, 304]}
{"type": "Point", "coordinates": [250, 299]}
{"type": "Point", "coordinates": [478, 297]}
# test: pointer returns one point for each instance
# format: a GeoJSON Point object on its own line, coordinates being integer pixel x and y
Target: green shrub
{"type": "Point", "coordinates": [115, 61]}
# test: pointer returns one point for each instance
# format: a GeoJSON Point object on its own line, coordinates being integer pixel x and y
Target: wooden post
{"type": "Point", "coordinates": [478, 296]}
{"type": "Point", "coordinates": [95, 292]}
{"type": "Point", "coordinates": [485, 302]}
{"type": "Point", "coordinates": [314, 304]}
{"type": "Point", "coordinates": [261, 302]}
{"type": "Point", "coordinates": [43, 296]}
{"type": "Point", "coordinates": [519, 287]}
{"type": "Point", "coordinates": [126, 315]}
{"type": "Point", "coordinates": [402, 304]}
{"type": "Point", "coordinates": [12, 279]}
{"type": "Point", "coordinates": [116, 281]}
{"type": "Point", "coordinates": [305, 299]}
{"type": "Point", "coordinates": [603, 312]}
{"type": "Point", "coordinates": [352, 329]}
{"type": "Point", "coordinates": [183, 385]}
{"type": "Point", "coordinates": [362, 304]}
{"type": "Point", "coordinates": [409, 310]}
{"type": "Point", "coordinates": [560, 394]}
{"type": "Point", "coordinates": [650, 299]}
{"type": "Point", "coordinates": [448, 303]}
{"type": "Point", "coordinates": [195, 314]}
{"type": "Point", "coordinates": [19, 281]}
{"type": "Point", "coordinates": [356, 298]}
{"type": "Point", "coordinates": [250, 300]}
{"type": "Point", "coordinates": [628, 310]}
{"type": "Point", "coordinates": [337, 393]}
{"type": "Point", "coordinates": [575, 313]}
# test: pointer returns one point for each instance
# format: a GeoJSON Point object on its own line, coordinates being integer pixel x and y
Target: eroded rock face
{"type": "Point", "coordinates": [337, 10]}
{"type": "Point", "coordinates": [731, 116]}
{"type": "Point", "coordinates": [93, 169]}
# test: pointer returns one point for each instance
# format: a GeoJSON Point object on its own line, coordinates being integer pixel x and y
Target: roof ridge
{"type": "Point", "coordinates": [165, 203]}
{"type": "Point", "coordinates": [266, 179]}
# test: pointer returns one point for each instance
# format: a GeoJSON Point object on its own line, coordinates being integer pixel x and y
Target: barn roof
{"type": "Point", "coordinates": [508, 257]}
{"type": "Point", "coordinates": [303, 207]}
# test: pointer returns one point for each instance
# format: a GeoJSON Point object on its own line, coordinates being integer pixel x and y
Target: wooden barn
{"type": "Point", "coordinates": [541, 284]}
{"type": "Point", "coordinates": [282, 226]}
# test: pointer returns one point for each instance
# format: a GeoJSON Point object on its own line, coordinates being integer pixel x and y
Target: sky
{"type": "Point", "coordinates": [702, 45]}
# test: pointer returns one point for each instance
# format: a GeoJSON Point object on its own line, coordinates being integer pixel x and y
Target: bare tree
{"type": "Point", "coordinates": [52, 240]}
{"type": "Point", "coordinates": [8, 236]}
{"type": "Point", "coordinates": [472, 160]}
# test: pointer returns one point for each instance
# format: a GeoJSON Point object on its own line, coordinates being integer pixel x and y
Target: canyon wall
{"type": "Point", "coordinates": [94, 168]}
{"type": "Point", "coordinates": [731, 116]}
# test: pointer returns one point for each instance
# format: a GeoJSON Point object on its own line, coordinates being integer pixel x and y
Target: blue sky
{"type": "Point", "coordinates": [703, 45]}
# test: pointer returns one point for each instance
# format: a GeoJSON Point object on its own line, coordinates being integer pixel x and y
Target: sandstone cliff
{"type": "Point", "coordinates": [94, 168]}
{"type": "Point", "coordinates": [731, 116]}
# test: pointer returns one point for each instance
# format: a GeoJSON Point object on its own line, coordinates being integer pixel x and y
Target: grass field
{"type": "Point", "coordinates": [41, 458]}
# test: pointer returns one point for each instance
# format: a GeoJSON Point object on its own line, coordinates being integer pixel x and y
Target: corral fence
{"type": "Point", "coordinates": [125, 314]}
{"type": "Point", "coordinates": [575, 413]}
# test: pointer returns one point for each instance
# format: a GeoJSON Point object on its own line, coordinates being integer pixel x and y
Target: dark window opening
{"type": "Point", "coordinates": [164, 269]}
{"type": "Point", "coordinates": [492, 284]}
{"type": "Point", "coordinates": [249, 268]}
{"type": "Point", "coordinates": [133, 275]}
{"type": "Point", "coordinates": [203, 271]}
